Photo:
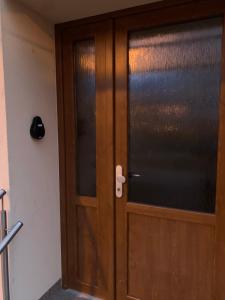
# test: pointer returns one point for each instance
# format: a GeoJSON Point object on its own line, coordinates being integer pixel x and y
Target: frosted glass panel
{"type": "Point", "coordinates": [174, 91]}
{"type": "Point", "coordinates": [86, 117]}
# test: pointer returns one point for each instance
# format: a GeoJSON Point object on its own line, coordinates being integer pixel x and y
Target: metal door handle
{"type": "Point", "coordinates": [120, 180]}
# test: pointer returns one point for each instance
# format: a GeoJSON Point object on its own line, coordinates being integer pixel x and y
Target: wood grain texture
{"type": "Point", "coordinates": [131, 298]}
{"type": "Point", "coordinates": [137, 10]}
{"type": "Point", "coordinates": [70, 153]}
{"type": "Point", "coordinates": [98, 248]}
{"type": "Point", "coordinates": [86, 201]}
{"type": "Point", "coordinates": [121, 59]}
{"type": "Point", "coordinates": [62, 161]}
{"type": "Point", "coordinates": [171, 214]}
{"type": "Point", "coordinates": [172, 14]}
{"type": "Point", "coordinates": [105, 157]}
{"type": "Point", "coordinates": [87, 242]}
{"type": "Point", "coordinates": [220, 199]}
{"type": "Point", "coordinates": [169, 259]}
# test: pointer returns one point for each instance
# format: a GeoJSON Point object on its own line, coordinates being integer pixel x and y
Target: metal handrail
{"type": "Point", "coordinates": [9, 237]}
{"type": "Point", "coordinates": [6, 239]}
{"type": "Point", "coordinates": [2, 193]}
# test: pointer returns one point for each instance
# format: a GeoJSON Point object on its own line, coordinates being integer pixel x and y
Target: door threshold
{"type": "Point", "coordinates": [57, 293]}
{"type": "Point", "coordinates": [82, 296]}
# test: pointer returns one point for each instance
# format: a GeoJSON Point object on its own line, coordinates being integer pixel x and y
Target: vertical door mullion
{"type": "Point", "coordinates": [121, 122]}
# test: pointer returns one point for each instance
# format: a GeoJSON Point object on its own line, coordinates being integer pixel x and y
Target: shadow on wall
{"type": "Point", "coordinates": [30, 86]}
{"type": "Point", "coordinates": [22, 15]}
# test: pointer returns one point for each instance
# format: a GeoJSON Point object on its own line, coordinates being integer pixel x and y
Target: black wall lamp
{"type": "Point", "coordinates": [37, 129]}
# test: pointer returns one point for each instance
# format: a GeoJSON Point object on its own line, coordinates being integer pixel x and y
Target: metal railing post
{"type": "Point", "coordinates": [5, 261]}
{"type": "Point", "coordinates": [6, 238]}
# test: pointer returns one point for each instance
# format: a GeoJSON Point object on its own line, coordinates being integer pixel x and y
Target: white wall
{"type": "Point", "coordinates": [59, 11]}
{"type": "Point", "coordinates": [30, 89]}
{"type": "Point", "coordinates": [4, 175]}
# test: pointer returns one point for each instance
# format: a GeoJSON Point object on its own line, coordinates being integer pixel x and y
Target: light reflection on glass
{"type": "Point", "coordinates": [174, 88]}
{"type": "Point", "coordinates": [85, 91]}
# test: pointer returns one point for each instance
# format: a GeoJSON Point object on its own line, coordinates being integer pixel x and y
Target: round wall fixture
{"type": "Point", "coordinates": [37, 129]}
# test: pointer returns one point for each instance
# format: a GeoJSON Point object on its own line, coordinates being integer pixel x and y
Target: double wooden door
{"type": "Point", "coordinates": [142, 152]}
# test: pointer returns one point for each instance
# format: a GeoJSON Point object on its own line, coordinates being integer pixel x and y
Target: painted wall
{"type": "Point", "coordinates": [30, 89]}
{"type": "Point", "coordinates": [4, 175]}
{"type": "Point", "coordinates": [59, 11]}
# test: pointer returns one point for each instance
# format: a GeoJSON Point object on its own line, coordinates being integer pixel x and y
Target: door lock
{"type": "Point", "coordinates": [120, 180]}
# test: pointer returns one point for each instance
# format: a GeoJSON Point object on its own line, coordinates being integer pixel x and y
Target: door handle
{"type": "Point", "coordinates": [120, 180]}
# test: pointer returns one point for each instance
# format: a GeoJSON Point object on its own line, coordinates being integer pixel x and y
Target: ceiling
{"type": "Point", "coordinates": [58, 11]}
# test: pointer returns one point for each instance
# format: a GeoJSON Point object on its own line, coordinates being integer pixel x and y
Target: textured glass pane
{"type": "Point", "coordinates": [86, 120]}
{"type": "Point", "coordinates": [174, 90]}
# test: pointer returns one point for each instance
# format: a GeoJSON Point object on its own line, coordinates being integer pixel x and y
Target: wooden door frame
{"type": "Point", "coordinates": [200, 8]}
{"type": "Point", "coordinates": [103, 204]}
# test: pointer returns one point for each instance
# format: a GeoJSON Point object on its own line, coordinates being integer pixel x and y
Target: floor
{"type": "Point", "coordinates": [56, 293]}
{"type": "Point", "coordinates": [66, 295]}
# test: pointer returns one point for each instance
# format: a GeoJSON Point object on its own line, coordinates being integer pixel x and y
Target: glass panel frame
{"type": "Point", "coordinates": [85, 103]}
{"type": "Point", "coordinates": [170, 116]}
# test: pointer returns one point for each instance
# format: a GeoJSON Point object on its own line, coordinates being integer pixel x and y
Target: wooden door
{"type": "Point", "coordinates": [145, 85]}
{"type": "Point", "coordinates": [86, 156]}
{"type": "Point", "coordinates": [170, 133]}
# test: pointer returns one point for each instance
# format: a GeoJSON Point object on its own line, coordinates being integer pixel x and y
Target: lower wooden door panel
{"type": "Point", "coordinates": [169, 259]}
{"type": "Point", "coordinates": [87, 247]}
